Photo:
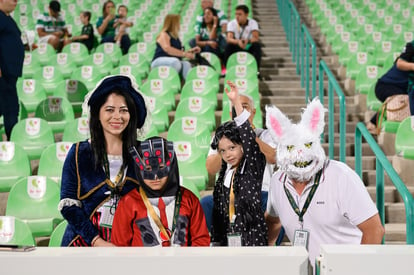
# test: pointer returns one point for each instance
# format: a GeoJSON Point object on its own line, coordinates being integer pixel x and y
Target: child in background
{"type": "Point", "coordinates": [86, 37]}
{"type": "Point", "coordinates": [122, 25]}
{"type": "Point", "coordinates": [159, 211]}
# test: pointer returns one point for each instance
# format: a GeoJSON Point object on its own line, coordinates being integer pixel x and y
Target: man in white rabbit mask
{"type": "Point", "coordinates": [316, 200]}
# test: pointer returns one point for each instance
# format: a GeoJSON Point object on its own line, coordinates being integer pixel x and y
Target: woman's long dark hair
{"type": "Point", "coordinates": [129, 135]}
{"type": "Point", "coordinates": [104, 7]}
{"type": "Point", "coordinates": [213, 10]}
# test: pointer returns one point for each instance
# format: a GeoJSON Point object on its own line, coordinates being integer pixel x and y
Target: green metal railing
{"type": "Point", "coordinates": [382, 164]}
{"type": "Point", "coordinates": [307, 44]}
{"type": "Point", "coordinates": [333, 86]}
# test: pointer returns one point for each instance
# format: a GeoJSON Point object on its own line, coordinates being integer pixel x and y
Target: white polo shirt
{"type": "Point", "coordinates": [340, 203]}
{"type": "Point", "coordinates": [244, 32]}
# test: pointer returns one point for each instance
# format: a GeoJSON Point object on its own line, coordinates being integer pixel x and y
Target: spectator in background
{"type": "Point", "coordinates": [122, 25]}
{"type": "Point", "coordinates": [11, 65]}
{"type": "Point", "coordinates": [209, 33]}
{"type": "Point", "coordinates": [106, 26]}
{"type": "Point", "coordinates": [51, 28]}
{"type": "Point", "coordinates": [86, 37]}
{"type": "Point", "coordinates": [169, 50]}
{"type": "Point", "coordinates": [406, 63]}
{"type": "Point", "coordinates": [243, 35]}
{"type": "Point", "coordinates": [148, 216]}
{"type": "Point", "coordinates": [99, 171]}
{"type": "Point", "coordinates": [238, 218]}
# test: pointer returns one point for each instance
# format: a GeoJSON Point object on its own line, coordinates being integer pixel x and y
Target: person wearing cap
{"type": "Point", "coordinates": [99, 171]}
{"type": "Point", "coordinates": [51, 27]}
{"type": "Point", "coordinates": [159, 212]}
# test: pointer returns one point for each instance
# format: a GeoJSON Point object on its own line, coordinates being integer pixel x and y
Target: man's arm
{"type": "Point", "coordinates": [372, 230]}
{"type": "Point", "coordinates": [404, 65]}
{"type": "Point", "coordinates": [274, 225]}
{"type": "Point", "coordinates": [213, 163]}
{"type": "Point", "coordinates": [267, 150]}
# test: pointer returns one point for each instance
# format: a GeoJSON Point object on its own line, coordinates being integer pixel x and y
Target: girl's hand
{"type": "Point", "coordinates": [233, 92]}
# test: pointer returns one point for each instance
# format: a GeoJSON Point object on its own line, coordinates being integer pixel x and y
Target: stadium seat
{"type": "Point", "coordinates": [74, 91]}
{"type": "Point", "coordinates": [88, 75]}
{"type": "Point", "coordinates": [159, 114]}
{"type": "Point", "coordinates": [366, 76]}
{"type": "Point", "coordinates": [77, 52]}
{"type": "Point", "coordinates": [45, 53]}
{"type": "Point", "coordinates": [198, 107]}
{"type": "Point", "coordinates": [242, 58]}
{"type": "Point", "coordinates": [57, 234]}
{"type": "Point", "coordinates": [100, 62]}
{"type": "Point", "coordinates": [160, 89]}
{"type": "Point", "coordinates": [52, 159]}
{"type": "Point", "coordinates": [190, 185]}
{"type": "Point", "coordinates": [57, 111]}
{"type": "Point", "coordinates": [112, 50]}
{"type": "Point", "coordinates": [404, 139]}
{"type": "Point", "coordinates": [169, 76]}
{"type": "Point", "coordinates": [76, 130]}
{"type": "Point", "coordinates": [34, 200]}
{"type": "Point", "coordinates": [356, 62]}
{"type": "Point", "coordinates": [213, 60]}
{"type": "Point", "coordinates": [31, 65]}
{"type": "Point", "coordinates": [14, 165]}
{"type": "Point", "coordinates": [33, 135]}
{"type": "Point", "coordinates": [144, 49]}
{"type": "Point", "coordinates": [64, 64]}
{"type": "Point", "coordinates": [137, 60]}
{"type": "Point", "coordinates": [129, 70]}
{"type": "Point", "coordinates": [49, 77]}
{"type": "Point", "coordinates": [191, 162]}
{"type": "Point", "coordinates": [203, 72]}
{"type": "Point", "coordinates": [13, 231]}
{"type": "Point", "coordinates": [31, 93]}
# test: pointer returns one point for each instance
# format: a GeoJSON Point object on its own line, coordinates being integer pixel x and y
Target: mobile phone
{"type": "Point", "coordinates": [16, 248]}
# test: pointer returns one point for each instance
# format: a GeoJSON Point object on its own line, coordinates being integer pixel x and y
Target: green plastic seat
{"type": "Point", "coordinates": [347, 51]}
{"type": "Point", "coordinates": [100, 62]}
{"type": "Point", "coordinates": [191, 162]}
{"type": "Point", "coordinates": [359, 60]}
{"type": "Point", "coordinates": [52, 159]}
{"type": "Point", "coordinates": [248, 86]}
{"type": "Point", "coordinates": [57, 111]}
{"type": "Point", "coordinates": [14, 165]}
{"type": "Point", "coordinates": [49, 77]}
{"type": "Point", "coordinates": [31, 65]}
{"type": "Point", "coordinates": [112, 50]}
{"type": "Point", "coordinates": [57, 234]}
{"type": "Point", "coordinates": [201, 88]}
{"type": "Point", "coordinates": [15, 232]}
{"type": "Point", "coordinates": [373, 103]}
{"type": "Point", "coordinates": [190, 185]}
{"type": "Point", "coordinates": [367, 75]}
{"type": "Point", "coordinates": [33, 135]}
{"type": "Point", "coordinates": [138, 61]}
{"type": "Point", "coordinates": [45, 53]}
{"type": "Point", "coordinates": [203, 72]}
{"type": "Point", "coordinates": [76, 130]}
{"type": "Point", "coordinates": [160, 89]}
{"type": "Point", "coordinates": [31, 93]}
{"type": "Point", "coordinates": [192, 130]}
{"type": "Point", "coordinates": [64, 64]}
{"type": "Point", "coordinates": [169, 76]}
{"type": "Point", "coordinates": [240, 72]}
{"type": "Point", "coordinates": [198, 107]}
{"type": "Point", "coordinates": [152, 132]}
{"type": "Point", "coordinates": [159, 114]}
{"type": "Point", "coordinates": [382, 53]}
{"type": "Point", "coordinates": [144, 49]}
{"type": "Point", "coordinates": [34, 200]}
{"type": "Point", "coordinates": [88, 75]}
{"type": "Point", "coordinates": [77, 52]}
{"type": "Point", "coordinates": [404, 139]}
{"type": "Point", "coordinates": [129, 70]}
{"type": "Point", "coordinates": [242, 58]}
{"type": "Point", "coordinates": [74, 91]}
{"type": "Point", "coordinates": [213, 60]}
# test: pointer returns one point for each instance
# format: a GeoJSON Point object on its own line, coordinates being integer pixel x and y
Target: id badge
{"type": "Point", "coordinates": [108, 213]}
{"type": "Point", "coordinates": [234, 239]}
{"type": "Point", "coordinates": [301, 238]}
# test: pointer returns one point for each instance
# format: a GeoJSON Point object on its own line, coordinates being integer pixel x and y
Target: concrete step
{"type": "Point", "coordinates": [395, 213]}
{"type": "Point", "coordinates": [395, 232]}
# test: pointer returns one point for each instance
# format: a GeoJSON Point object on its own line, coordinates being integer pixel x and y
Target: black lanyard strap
{"type": "Point", "coordinates": [308, 199]}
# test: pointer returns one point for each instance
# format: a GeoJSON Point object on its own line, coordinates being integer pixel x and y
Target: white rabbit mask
{"type": "Point", "coordinates": [299, 151]}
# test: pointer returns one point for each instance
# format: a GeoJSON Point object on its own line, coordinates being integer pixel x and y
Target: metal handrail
{"type": "Point", "coordinates": [382, 163]}
{"type": "Point", "coordinates": [308, 42]}
{"type": "Point", "coordinates": [333, 86]}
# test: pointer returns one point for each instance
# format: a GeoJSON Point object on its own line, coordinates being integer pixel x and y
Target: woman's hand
{"type": "Point", "coordinates": [101, 242]}
{"type": "Point", "coordinates": [196, 49]}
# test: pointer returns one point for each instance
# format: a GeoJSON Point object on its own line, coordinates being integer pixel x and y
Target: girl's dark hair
{"type": "Point", "coordinates": [213, 10]}
{"type": "Point", "coordinates": [129, 135]}
{"type": "Point", "coordinates": [229, 130]}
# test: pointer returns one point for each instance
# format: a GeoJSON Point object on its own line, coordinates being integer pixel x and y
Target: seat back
{"type": "Point", "coordinates": [35, 200]}
{"type": "Point", "coordinates": [198, 107]}
{"type": "Point", "coordinates": [33, 135]}
{"type": "Point", "coordinates": [73, 90]}
{"type": "Point", "coordinates": [50, 77]}
{"type": "Point", "coordinates": [168, 75]}
{"type": "Point", "coordinates": [31, 64]}
{"type": "Point", "coordinates": [404, 139]}
{"type": "Point", "coordinates": [64, 64]}
{"type": "Point", "coordinates": [14, 231]}
{"type": "Point", "coordinates": [160, 89]}
{"type": "Point", "coordinates": [57, 234]}
{"type": "Point", "coordinates": [77, 52]}
{"type": "Point", "coordinates": [30, 92]}
{"type": "Point", "coordinates": [112, 50]}
{"type": "Point", "coordinates": [52, 159]}
{"type": "Point", "coordinates": [203, 72]}
{"type": "Point", "coordinates": [89, 75]}
{"type": "Point", "coordinates": [76, 130]}
{"type": "Point", "coordinates": [213, 60]}
{"type": "Point", "coordinates": [137, 60]}
{"type": "Point", "coordinates": [100, 62]}
{"type": "Point", "coordinates": [57, 111]}
{"type": "Point", "coordinates": [242, 58]}
{"type": "Point", "coordinates": [14, 165]}
{"type": "Point", "coordinates": [45, 53]}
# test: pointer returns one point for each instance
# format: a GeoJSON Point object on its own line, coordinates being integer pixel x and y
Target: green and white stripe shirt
{"type": "Point", "coordinates": [50, 24]}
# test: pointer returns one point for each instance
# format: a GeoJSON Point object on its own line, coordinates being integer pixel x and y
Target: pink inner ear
{"type": "Point", "coordinates": [315, 119]}
{"type": "Point", "coordinates": [276, 126]}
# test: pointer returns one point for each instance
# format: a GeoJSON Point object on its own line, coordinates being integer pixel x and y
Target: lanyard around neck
{"type": "Point", "coordinates": [154, 215]}
{"type": "Point", "coordinates": [113, 184]}
{"type": "Point", "coordinates": [308, 199]}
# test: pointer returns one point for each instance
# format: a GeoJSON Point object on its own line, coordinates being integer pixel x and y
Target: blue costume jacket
{"type": "Point", "coordinates": [84, 190]}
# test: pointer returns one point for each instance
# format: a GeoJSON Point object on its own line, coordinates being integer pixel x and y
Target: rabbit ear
{"type": "Point", "coordinates": [277, 123]}
{"type": "Point", "coordinates": [313, 117]}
